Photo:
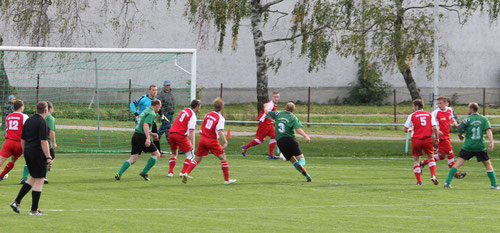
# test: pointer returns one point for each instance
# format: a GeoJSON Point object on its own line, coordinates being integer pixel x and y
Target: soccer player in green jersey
{"type": "Point", "coordinates": [474, 126]}
{"type": "Point", "coordinates": [141, 141]}
{"type": "Point", "coordinates": [285, 125]}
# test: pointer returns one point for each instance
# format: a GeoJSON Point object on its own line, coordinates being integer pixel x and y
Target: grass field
{"type": "Point", "coordinates": [347, 194]}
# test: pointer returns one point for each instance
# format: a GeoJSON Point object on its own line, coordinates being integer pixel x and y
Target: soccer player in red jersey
{"type": "Point", "coordinates": [444, 116]}
{"type": "Point", "coordinates": [423, 126]}
{"type": "Point", "coordinates": [181, 136]}
{"type": "Point", "coordinates": [12, 145]}
{"type": "Point", "coordinates": [265, 128]}
{"type": "Point", "coordinates": [211, 129]}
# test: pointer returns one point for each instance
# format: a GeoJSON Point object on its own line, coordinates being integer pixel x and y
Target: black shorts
{"type": "Point", "coordinates": [289, 147]}
{"type": "Point", "coordinates": [37, 163]}
{"type": "Point", "coordinates": [52, 153]}
{"type": "Point", "coordinates": [480, 156]}
{"type": "Point", "coordinates": [154, 128]}
{"type": "Point", "coordinates": [138, 140]}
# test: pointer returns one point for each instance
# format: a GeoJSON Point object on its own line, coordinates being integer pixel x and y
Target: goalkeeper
{"type": "Point", "coordinates": [144, 102]}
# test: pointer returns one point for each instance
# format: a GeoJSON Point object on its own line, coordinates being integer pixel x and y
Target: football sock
{"type": "Point", "coordinates": [418, 173]}
{"type": "Point", "coordinates": [192, 165]}
{"type": "Point", "coordinates": [149, 165]}
{"type": "Point", "coordinates": [272, 145]}
{"type": "Point", "coordinates": [301, 169]}
{"type": "Point", "coordinates": [225, 169]}
{"type": "Point", "coordinates": [7, 169]}
{"type": "Point", "coordinates": [251, 143]}
{"type": "Point", "coordinates": [425, 162]}
{"type": "Point", "coordinates": [451, 160]}
{"type": "Point", "coordinates": [157, 144]}
{"type": "Point", "coordinates": [438, 157]}
{"type": "Point", "coordinates": [26, 172]}
{"type": "Point", "coordinates": [302, 162]}
{"type": "Point", "coordinates": [493, 178]}
{"type": "Point", "coordinates": [171, 164]}
{"type": "Point", "coordinates": [24, 190]}
{"type": "Point", "coordinates": [124, 167]}
{"type": "Point", "coordinates": [451, 174]}
{"type": "Point", "coordinates": [186, 165]}
{"type": "Point", "coordinates": [35, 195]}
{"type": "Point", "coordinates": [296, 165]}
{"type": "Point", "coordinates": [432, 167]}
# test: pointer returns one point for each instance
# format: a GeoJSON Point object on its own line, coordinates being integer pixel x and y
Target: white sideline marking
{"type": "Point", "coordinates": [296, 207]}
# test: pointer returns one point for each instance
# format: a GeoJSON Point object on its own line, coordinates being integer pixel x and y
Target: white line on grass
{"type": "Point", "coordinates": [231, 209]}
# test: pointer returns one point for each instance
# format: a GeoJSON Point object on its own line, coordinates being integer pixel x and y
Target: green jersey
{"type": "Point", "coordinates": [147, 116]}
{"type": "Point", "coordinates": [474, 127]}
{"type": "Point", "coordinates": [285, 124]}
{"type": "Point", "coordinates": [51, 121]}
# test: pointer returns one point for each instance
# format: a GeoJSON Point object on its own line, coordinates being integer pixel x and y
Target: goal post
{"type": "Point", "coordinates": [91, 88]}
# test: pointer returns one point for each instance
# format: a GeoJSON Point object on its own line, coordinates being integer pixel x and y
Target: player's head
{"type": "Point", "coordinates": [418, 104]}
{"type": "Point", "coordinates": [166, 85]}
{"type": "Point", "coordinates": [42, 107]}
{"type": "Point", "coordinates": [290, 107]}
{"type": "Point", "coordinates": [152, 91]}
{"type": "Point", "coordinates": [12, 98]}
{"type": "Point", "coordinates": [50, 107]}
{"type": "Point", "coordinates": [156, 105]}
{"type": "Point", "coordinates": [195, 105]}
{"type": "Point", "coordinates": [276, 96]}
{"type": "Point", "coordinates": [473, 107]}
{"type": "Point", "coordinates": [218, 104]}
{"type": "Point", "coordinates": [19, 106]}
{"type": "Point", "coordinates": [442, 102]}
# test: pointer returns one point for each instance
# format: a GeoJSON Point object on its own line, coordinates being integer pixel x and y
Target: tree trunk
{"type": "Point", "coordinates": [401, 53]}
{"type": "Point", "coordinates": [260, 54]}
{"type": "Point", "coordinates": [4, 84]}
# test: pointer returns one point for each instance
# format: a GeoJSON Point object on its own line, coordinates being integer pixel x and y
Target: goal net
{"type": "Point", "coordinates": [91, 89]}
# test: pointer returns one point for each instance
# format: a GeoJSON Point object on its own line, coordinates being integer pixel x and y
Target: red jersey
{"type": "Point", "coordinates": [422, 123]}
{"type": "Point", "coordinates": [185, 121]}
{"type": "Point", "coordinates": [444, 121]}
{"type": "Point", "coordinates": [262, 115]}
{"type": "Point", "coordinates": [212, 123]}
{"type": "Point", "coordinates": [15, 123]}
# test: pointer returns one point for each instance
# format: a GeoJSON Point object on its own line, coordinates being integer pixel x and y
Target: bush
{"type": "Point", "coordinates": [370, 89]}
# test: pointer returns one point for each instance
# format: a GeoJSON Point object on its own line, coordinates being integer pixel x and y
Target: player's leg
{"type": "Point", "coordinates": [8, 167]}
{"type": "Point", "coordinates": [225, 168]}
{"type": "Point", "coordinates": [416, 151]}
{"type": "Point", "coordinates": [197, 159]}
{"type": "Point", "coordinates": [485, 159]}
{"type": "Point", "coordinates": [156, 138]}
{"type": "Point", "coordinates": [173, 159]}
{"type": "Point", "coordinates": [26, 173]}
{"type": "Point", "coordinates": [151, 162]}
{"type": "Point", "coordinates": [462, 157]}
{"type": "Point", "coordinates": [168, 125]}
{"type": "Point", "coordinates": [272, 143]}
{"type": "Point", "coordinates": [259, 138]}
{"type": "Point", "coordinates": [126, 165]}
{"type": "Point", "coordinates": [189, 157]}
{"type": "Point", "coordinates": [295, 161]}
{"type": "Point", "coordinates": [428, 148]}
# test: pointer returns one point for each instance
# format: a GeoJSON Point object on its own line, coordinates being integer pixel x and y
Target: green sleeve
{"type": "Point", "coordinates": [297, 124]}
{"type": "Point", "coordinates": [52, 123]}
{"type": "Point", "coordinates": [463, 126]}
{"type": "Point", "coordinates": [272, 115]}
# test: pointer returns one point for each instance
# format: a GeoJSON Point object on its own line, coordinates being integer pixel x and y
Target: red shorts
{"type": "Point", "coordinates": [263, 131]}
{"type": "Point", "coordinates": [11, 148]}
{"type": "Point", "coordinates": [444, 146]}
{"type": "Point", "coordinates": [417, 145]}
{"type": "Point", "coordinates": [179, 141]}
{"type": "Point", "coordinates": [208, 144]}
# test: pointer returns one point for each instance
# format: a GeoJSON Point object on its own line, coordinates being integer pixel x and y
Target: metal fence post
{"type": "Point", "coordinates": [97, 103]}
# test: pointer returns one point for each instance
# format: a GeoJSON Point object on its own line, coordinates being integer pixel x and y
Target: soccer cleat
{"type": "Point", "coordinates": [117, 176]}
{"type": "Point", "coordinates": [447, 186]}
{"type": "Point", "coordinates": [230, 181]}
{"type": "Point", "coordinates": [434, 180]}
{"type": "Point", "coordinates": [185, 178]}
{"type": "Point", "coordinates": [170, 175]}
{"type": "Point", "coordinates": [243, 150]}
{"type": "Point", "coordinates": [272, 157]}
{"type": "Point", "coordinates": [45, 181]}
{"type": "Point", "coordinates": [15, 207]}
{"type": "Point", "coordinates": [38, 213]}
{"type": "Point", "coordinates": [419, 182]}
{"type": "Point", "coordinates": [495, 187]}
{"type": "Point", "coordinates": [182, 174]}
{"type": "Point", "coordinates": [461, 175]}
{"type": "Point", "coordinates": [22, 181]}
{"type": "Point", "coordinates": [145, 176]}
{"type": "Point", "coordinates": [309, 179]}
